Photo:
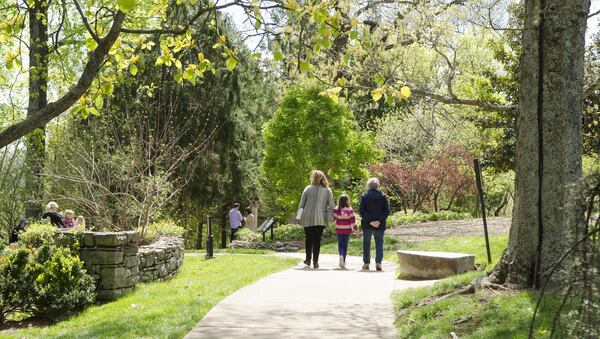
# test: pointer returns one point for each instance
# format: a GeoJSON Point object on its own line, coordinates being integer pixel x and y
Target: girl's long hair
{"type": "Point", "coordinates": [343, 201]}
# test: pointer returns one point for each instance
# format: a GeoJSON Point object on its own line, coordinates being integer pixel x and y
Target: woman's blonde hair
{"type": "Point", "coordinates": [80, 222]}
{"type": "Point", "coordinates": [52, 205]}
{"type": "Point", "coordinates": [318, 178]}
{"type": "Point", "coordinates": [69, 212]}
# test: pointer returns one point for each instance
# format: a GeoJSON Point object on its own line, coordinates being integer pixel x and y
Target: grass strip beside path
{"type": "Point", "coordinates": [485, 314]}
{"type": "Point", "coordinates": [166, 309]}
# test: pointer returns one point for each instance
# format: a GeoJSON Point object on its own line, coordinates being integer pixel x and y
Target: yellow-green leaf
{"type": "Point", "coordinates": [133, 69]}
{"type": "Point", "coordinates": [405, 91]}
{"type": "Point", "coordinates": [231, 63]}
{"type": "Point", "coordinates": [278, 56]}
{"type": "Point", "coordinates": [376, 94]}
{"type": "Point", "coordinates": [99, 102]}
{"type": "Point", "coordinates": [304, 66]}
{"type": "Point", "coordinates": [126, 5]}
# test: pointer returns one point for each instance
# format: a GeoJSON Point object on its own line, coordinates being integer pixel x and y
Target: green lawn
{"type": "Point", "coordinates": [485, 314]}
{"type": "Point", "coordinates": [166, 309]}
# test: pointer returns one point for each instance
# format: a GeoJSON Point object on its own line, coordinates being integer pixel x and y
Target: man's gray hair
{"type": "Point", "coordinates": [373, 183]}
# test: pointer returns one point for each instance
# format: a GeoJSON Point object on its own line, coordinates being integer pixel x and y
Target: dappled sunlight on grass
{"type": "Point", "coordinates": [170, 308]}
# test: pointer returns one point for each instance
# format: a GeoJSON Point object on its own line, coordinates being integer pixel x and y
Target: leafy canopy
{"type": "Point", "coordinates": [311, 131]}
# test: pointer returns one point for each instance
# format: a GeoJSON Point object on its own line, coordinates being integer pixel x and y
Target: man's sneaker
{"type": "Point", "coordinates": [316, 265]}
{"type": "Point", "coordinates": [365, 266]}
{"type": "Point", "coordinates": [378, 266]}
{"type": "Point", "coordinates": [306, 262]}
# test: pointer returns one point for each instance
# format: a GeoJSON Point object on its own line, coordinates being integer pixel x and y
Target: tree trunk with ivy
{"type": "Point", "coordinates": [563, 36]}
{"type": "Point", "coordinates": [38, 99]}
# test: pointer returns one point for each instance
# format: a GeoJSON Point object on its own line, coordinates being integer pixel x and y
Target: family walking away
{"type": "Point", "coordinates": [316, 211]}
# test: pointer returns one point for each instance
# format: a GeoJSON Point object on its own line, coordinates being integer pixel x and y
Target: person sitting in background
{"type": "Point", "coordinates": [14, 234]}
{"type": "Point", "coordinates": [250, 219]}
{"type": "Point", "coordinates": [69, 220]}
{"type": "Point", "coordinates": [52, 215]}
{"type": "Point", "coordinates": [80, 222]}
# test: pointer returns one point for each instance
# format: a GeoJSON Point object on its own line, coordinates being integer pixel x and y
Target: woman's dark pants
{"type": "Point", "coordinates": [313, 242]}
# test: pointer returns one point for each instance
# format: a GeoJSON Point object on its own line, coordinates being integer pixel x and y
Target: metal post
{"type": "Point", "coordinates": [209, 239]}
{"type": "Point", "coordinates": [199, 239]}
{"type": "Point", "coordinates": [482, 202]}
{"type": "Point", "coordinates": [272, 226]}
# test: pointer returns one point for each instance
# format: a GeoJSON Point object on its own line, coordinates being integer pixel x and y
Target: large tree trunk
{"type": "Point", "coordinates": [563, 50]}
{"type": "Point", "coordinates": [38, 98]}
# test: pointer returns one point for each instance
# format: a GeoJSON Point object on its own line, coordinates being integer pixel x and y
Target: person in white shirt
{"type": "Point", "coordinates": [235, 220]}
{"type": "Point", "coordinates": [250, 220]}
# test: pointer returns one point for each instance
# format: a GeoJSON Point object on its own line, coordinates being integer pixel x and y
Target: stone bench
{"type": "Point", "coordinates": [434, 265]}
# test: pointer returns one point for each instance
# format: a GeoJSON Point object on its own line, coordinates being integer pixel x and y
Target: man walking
{"type": "Point", "coordinates": [235, 220]}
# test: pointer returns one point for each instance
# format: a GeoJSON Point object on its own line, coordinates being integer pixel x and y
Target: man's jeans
{"type": "Point", "coordinates": [378, 234]}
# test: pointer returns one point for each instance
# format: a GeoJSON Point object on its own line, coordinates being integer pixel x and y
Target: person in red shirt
{"type": "Point", "coordinates": [345, 224]}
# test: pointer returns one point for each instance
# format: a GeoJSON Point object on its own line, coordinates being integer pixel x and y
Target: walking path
{"type": "Point", "coordinates": [302, 302]}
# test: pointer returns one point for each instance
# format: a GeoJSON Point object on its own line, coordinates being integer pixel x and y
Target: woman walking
{"type": "Point", "coordinates": [374, 210]}
{"type": "Point", "coordinates": [315, 212]}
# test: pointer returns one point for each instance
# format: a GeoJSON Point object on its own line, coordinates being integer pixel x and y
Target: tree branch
{"type": "Point", "coordinates": [486, 106]}
{"type": "Point", "coordinates": [194, 18]}
{"type": "Point", "coordinates": [54, 109]}
{"type": "Point", "coordinates": [85, 22]}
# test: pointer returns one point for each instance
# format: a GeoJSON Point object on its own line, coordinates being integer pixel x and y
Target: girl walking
{"type": "Point", "coordinates": [345, 224]}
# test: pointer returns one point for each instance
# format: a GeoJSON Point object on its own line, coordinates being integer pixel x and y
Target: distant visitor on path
{"type": "Point", "coordinates": [374, 210]}
{"type": "Point", "coordinates": [345, 224]}
{"type": "Point", "coordinates": [315, 212]}
{"type": "Point", "coordinates": [52, 215]}
{"type": "Point", "coordinates": [235, 220]}
{"type": "Point", "coordinates": [250, 220]}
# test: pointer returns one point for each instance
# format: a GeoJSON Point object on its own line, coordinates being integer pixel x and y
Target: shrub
{"type": "Point", "coordinates": [400, 218]}
{"type": "Point", "coordinates": [245, 234]}
{"type": "Point", "coordinates": [63, 284]}
{"type": "Point", "coordinates": [44, 281]}
{"type": "Point", "coordinates": [290, 232]}
{"type": "Point", "coordinates": [41, 278]}
{"type": "Point", "coordinates": [164, 228]}
{"type": "Point", "coordinates": [36, 235]}
{"type": "Point", "coordinates": [16, 282]}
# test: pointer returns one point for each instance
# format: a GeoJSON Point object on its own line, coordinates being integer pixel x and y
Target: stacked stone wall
{"type": "Point", "coordinates": [160, 260]}
{"type": "Point", "coordinates": [117, 263]}
{"type": "Point", "coordinates": [111, 258]}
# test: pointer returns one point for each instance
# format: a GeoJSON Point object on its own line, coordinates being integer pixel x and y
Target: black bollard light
{"type": "Point", "coordinates": [209, 239]}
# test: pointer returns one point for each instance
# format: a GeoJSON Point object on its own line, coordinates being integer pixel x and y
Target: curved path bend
{"type": "Point", "coordinates": [303, 302]}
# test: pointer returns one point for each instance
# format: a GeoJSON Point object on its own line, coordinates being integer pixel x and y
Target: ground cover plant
{"type": "Point", "coordinates": [168, 309]}
{"type": "Point", "coordinates": [423, 313]}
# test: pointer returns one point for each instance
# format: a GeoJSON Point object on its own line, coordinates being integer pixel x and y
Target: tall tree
{"type": "Point", "coordinates": [549, 142]}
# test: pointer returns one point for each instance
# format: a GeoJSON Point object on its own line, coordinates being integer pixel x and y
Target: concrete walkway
{"type": "Point", "coordinates": [302, 302]}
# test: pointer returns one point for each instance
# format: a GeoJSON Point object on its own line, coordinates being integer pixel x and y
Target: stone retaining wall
{"type": "Point", "coordinates": [117, 263]}
{"type": "Point", "coordinates": [162, 259]}
{"type": "Point", "coordinates": [111, 258]}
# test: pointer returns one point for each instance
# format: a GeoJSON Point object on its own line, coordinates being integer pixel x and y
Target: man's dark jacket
{"type": "Point", "coordinates": [374, 205]}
